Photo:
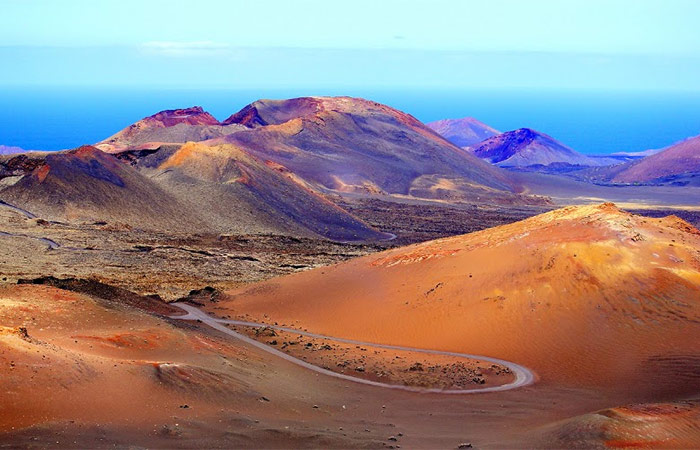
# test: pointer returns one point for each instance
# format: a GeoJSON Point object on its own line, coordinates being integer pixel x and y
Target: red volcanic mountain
{"type": "Point", "coordinates": [347, 144]}
{"type": "Point", "coordinates": [681, 160]}
{"type": "Point", "coordinates": [463, 132]}
{"type": "Point", "coordinates": [526, 147]}
{"type": "Point", "coordinates": [170, 126]}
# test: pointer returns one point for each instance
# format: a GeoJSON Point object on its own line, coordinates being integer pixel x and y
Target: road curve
{"type": "Point", "coordinates": [523, 375]}
{"type": "Point", "coordinates": [50, 242]}
{"type": "Point", "coordinates": [24, 212]}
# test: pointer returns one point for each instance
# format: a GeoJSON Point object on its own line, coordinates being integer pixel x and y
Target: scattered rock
{"type": "Point", "coordinates": [265, 331]}
{"type": "Point", "coordinates": [22, 331]}
{"type": "Point", "coordinates": [206, 294]}
{"type": "Point", "coordinates": [417, 367]}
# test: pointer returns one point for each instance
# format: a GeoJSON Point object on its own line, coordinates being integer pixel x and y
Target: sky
{"type": "Point", "coordinates": [504, 44]}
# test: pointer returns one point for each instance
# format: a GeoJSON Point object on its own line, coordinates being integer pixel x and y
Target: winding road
{"type": "Point", "coordinates": [50, 242]}
{"type": "Point", "coordinates": [523, 375]}
{"type": "Point", "coordinates": [17, 209]}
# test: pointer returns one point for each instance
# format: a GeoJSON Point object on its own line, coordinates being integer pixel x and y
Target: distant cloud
{"type": "Point", "coordinates": [185, 49]}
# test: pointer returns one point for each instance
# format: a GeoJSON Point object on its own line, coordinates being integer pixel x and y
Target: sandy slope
{"type": "Point", "coordinates": [680, 159]}
{"type": "Point", "coordinates": [586, 296]}
{"type": "Point", "coordinates": [78, 371]}
{"type": "Point", "coordinates": [600, 303]}
{"type": "Point", "coordinates": [649, 425]}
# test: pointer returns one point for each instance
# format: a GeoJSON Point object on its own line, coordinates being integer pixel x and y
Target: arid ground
{"type": "Point", "coordinates": [101, 363]}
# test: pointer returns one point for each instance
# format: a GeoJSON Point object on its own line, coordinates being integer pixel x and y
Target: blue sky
{"type": "Point", "coordinates": [592, 44]}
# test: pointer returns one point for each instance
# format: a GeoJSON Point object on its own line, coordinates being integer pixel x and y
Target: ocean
{"type": "Point", "coordinates": [593, 122]}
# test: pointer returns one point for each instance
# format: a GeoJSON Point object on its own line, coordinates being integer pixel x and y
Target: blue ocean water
{"type": "Point", "coordinates": [590, 122]}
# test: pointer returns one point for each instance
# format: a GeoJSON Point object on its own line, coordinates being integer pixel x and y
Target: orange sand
{"type": "Point", "coordinates": [585, 296]}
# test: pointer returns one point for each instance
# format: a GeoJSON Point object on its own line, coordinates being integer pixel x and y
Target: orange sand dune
{"type": "Point", "coordinates": [67, 356]}
{"type": "Point", "coordinates": [586, 296]}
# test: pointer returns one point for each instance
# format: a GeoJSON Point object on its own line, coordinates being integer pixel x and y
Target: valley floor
{"type": "Point", "coordinates": [101, 364]}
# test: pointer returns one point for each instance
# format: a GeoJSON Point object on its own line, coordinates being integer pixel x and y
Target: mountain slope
{"type": "Point", "coordinates": [526, 147]}
{"type": "Point", "coordinates": [169, 126]}
{"type": "Point", "coordinates": [682, 159]}
{"type": "Point", "coordinates": [190, 188]}
{"type": "Point", "coordinates": [596, 297]}
{"type": "Point", "coordinates": [235, 192]}
{"type": "Point", "coordinates": [463, 132]}
{"type": "Point", "coordinates": [266, 169]}
{"type": "Point", "coordinates": [353, 145]}
{"type": "Point", "coordinates": [670, 425]}
{"type": "Point", "coordinates": [88, 184]}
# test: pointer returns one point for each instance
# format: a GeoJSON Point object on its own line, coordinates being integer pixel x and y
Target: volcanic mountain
{"type": "Point", "coordinates": [596, 297]}
{"type": "Point", "coordinates": [677, 163]}
{"type": "Point", "coordinates": [266, 169]}
{"type": "Point", "coordinates": [463, 132]}
{"type": "Point", "coordinates": [526, 147]}
{"type": "Point", "coordinates": [194, 188]}
{"type": "Point", "coordinates": [87, 184]}
{"type": "Point", "coordinates": [169, 126]}
{"type": "Point", "coordinates": [348, 145]}
{"type": "Point", "coordinates": [234, 191]}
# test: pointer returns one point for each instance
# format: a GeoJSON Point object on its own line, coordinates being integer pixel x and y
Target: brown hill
{"type": "Point", "coordinates": [235, 192]}
{"type": "Point", "coordinates": [193, 188]}
{"type": "Point", "coordinates": [58, 346]}
{"type": "Point", "coordinates": [678, 161]}
{"type": "Point", "coordinates": [87, 184]}
{"type": "Point", "coordinates": [353, 145]}
{"type": "Point", "coordinates": [595, 297]}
